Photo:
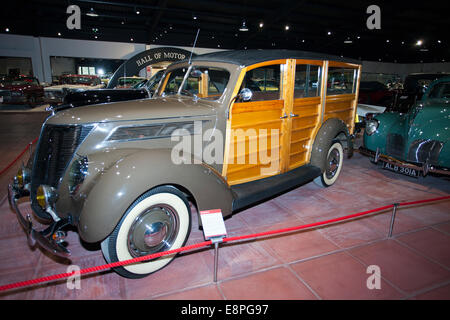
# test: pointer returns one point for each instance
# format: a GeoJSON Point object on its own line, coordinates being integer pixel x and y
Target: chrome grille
{"type": "Point", "coordinates": [57, 145]}
{"type": "Point", "coordinates": [395, 145]}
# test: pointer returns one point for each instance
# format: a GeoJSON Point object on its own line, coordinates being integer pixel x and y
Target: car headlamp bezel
{"type": "Point", "coordinates": [46, 196]}
{"type": "Point", "coordinates": [78, 171]}
{"type": "Point", "coordinates": [371, 126]}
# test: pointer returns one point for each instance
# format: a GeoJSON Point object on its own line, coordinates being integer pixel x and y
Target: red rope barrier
{"type": "Point", "coordinates": [18, 157]}
{"type": "Point", "coordinates": [206, 243]}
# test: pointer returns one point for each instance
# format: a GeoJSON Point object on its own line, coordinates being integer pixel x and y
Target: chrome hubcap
{"type": "Point", "coordinates": [154, 230]}
{"type": "Point", "coordinates": [333, 163]}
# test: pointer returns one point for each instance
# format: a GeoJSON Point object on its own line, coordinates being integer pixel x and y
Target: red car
{"type": "Point", "coordinates": [375, 93]}
{"type": "Point", "coordinates": [22, 90]}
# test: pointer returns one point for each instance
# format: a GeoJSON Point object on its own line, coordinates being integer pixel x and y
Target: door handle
{"type": "Point", "coordinates": [293, 115]}
{"type": "Point", "coordinates": [284, 117]}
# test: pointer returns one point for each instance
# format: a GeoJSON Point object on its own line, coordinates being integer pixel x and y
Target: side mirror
{"type": "Point", "coordinates": [246, 94]}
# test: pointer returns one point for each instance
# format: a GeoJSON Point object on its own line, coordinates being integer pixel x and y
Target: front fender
{"type": "Point", "coordinates": [118, 184]}
{"type": "Point", "coordinates": [390, 122]}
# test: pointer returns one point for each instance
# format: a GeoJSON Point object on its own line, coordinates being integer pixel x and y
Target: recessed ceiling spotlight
{"type": "Point", "coordinates": [286, 28]}
{"type": "Point", "coordinates": [95, 37]}
{"type": "Point", "coordinates": [348, 41]}
{"type": "Point", "coordinates": [387, 41]}
{"type": "Point", "coordinates": [92, 13]}
{"type": "Point", "coordinates": [403, 42]}
{"type": "Point", "coordinates": [439, 41]}
{"type": "Point", "coordinates": [194, 17]}
{"type": "Point", "coordinates": [131, 39]}
{"type": "Point", "coordinates": [243, 27]}
{"type": "Point", "coordinates": [419, 42]}
{"type": "Point", "coordinates": [261, 24]}
{"type": "Point", "coordinates": [329, 33]}
{"type": "Point", "coordinates": [358, 37]}
{"type": "Point", "coordinates": [7, 29]}
{"type": "Point", "coordinates": [59, 34]}
{"type": "Point", "coordinates": [137, 11]}
{"type": "Point", "coordinates": [123, 22]}
{"type": "Point", "coordinates": [303, 40]}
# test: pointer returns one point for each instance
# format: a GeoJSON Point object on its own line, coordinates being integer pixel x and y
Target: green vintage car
{"type": "Point", "coordinates": [414, 143]}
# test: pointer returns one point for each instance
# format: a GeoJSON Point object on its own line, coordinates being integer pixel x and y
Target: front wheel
{"type": "Point", "coordinates": [333, 165]}
{"type": "Point", "coordinates": [159, 220]}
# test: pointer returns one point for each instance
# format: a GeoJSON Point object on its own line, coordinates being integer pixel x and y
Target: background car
{"type": "Point", "coordinates": [141, 90]}
{"type": "Point", "coordinates": [375, 93]}
{"type": "Point", "coordinates": [68, 83]}
{"type": "Point", "coordinates": [21, 90]}
{"type": "Point", "coordinates": [414, 87]}
{"type": "Point", "coordinates": [415, 142]}
{"type": "Point", "coordinates": [128, 82]}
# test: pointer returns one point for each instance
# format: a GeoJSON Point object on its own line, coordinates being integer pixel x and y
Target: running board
{"type": "Point", "coordinates": [249, 193]}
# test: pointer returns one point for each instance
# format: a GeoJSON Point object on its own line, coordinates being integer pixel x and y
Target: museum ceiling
{"type": "Point", "coordinates": [409, 32]}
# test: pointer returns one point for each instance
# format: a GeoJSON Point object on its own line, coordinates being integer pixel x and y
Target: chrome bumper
{"type": "Point", "coordinates": [425, 169]}
{"type": "Point", "coordinates": [49, 238]}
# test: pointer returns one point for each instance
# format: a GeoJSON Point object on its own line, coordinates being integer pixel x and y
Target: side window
{"type": "Point", "coordinates": [340, 80]}
{"type": "Point", "coordinates": [441, 90]}
{"type": "Point", "coordinates": [174, 82]}
{"type": "Point", "coordinates": [264, 82]}
{"type": "Point", "coordinates": [307, 81]}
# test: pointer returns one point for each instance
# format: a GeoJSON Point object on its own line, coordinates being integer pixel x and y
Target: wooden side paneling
{"type": "Point", "coordinates": [252, 152]}
{"type": "Point", "coordinates": [303, 129]}
{"type": "Point", "coordinates": [342, 107]}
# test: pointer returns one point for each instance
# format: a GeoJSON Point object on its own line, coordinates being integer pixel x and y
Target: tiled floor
{"type": "Point", "coordinates": [324, 263]}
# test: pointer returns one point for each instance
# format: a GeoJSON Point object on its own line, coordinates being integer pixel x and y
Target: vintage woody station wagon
{"type": "Point", "coordinates": [259, 122]}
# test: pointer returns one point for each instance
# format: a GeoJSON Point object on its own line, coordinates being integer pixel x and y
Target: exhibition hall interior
{"type": "Point", "coordinates": [224, 150]}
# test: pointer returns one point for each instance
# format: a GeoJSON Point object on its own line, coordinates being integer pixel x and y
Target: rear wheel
{"type": "Point", "coordinates": [159, 220]}
{"type": "Point", "coordinates": [333, 165]}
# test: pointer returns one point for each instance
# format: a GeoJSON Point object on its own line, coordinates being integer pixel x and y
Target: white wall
{"type": "Point", "coordinates": [41, 49]}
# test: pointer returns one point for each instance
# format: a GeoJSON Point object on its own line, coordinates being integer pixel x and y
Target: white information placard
{"type": "Point", "coordinates": [213, 224]}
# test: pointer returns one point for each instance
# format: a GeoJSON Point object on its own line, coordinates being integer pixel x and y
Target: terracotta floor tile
{"type": "Point", "coordinates": [266, 214]}
{"type": "Point", "coordinates": [187, 270]}
{"type": "Point", "coordinates": [441, 293]}
{"type": "Point", "coordinates": [445, 227]}
{"type": "Point", "coordinates": [103, 285]}
{"type": "Point", "coordinates": [430, 243]}
{"type": "Point", "coordinates": [203, 293]}
{"type": "Point", "coordinates": [298, 245]}
{"type": "Point", "coordinates": [402, 223]}
{"type": "Point", "coordinates": [348, 234]}
{"type": "Point", "coordinates": [241, 257]}
{"type": "Point", "coordinates": [340, 276]}
{"type": "Point", "coordinates": [15, 254]}
{"type": "Point", "coordinates": [275, 284]}
{"type": "Point", "coordinates": [404, 268]}
{"type": "Point", "coordinates": [437, 213]}
{"type": "Point", "coordinates": [13, 277]}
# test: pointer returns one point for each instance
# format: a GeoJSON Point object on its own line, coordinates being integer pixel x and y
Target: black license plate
{"type": "Point", "coordinates": [402, 170]}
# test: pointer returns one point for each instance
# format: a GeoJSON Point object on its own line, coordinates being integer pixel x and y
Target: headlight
{"type": "Point", "coordinates": [46, 196]}
{"type": "Point", "coordinates": [371, 126]}
{"type": "Point", "coordinates": [164, 130]}
{"type": "Point", "coordinates": [78, 172]}
{"type": "Point", "coordinates": [23, 176]}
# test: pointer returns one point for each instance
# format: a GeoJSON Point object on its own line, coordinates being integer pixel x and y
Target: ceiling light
{"type": "Point", "coordinates": [358, 37]}
{"type": "Point", "coordinates": [439, 41]}
{"type": "Point", "coordinates": [243, 27]}
{"type": "Point", "coordinates": [261, 24]}
{"type": "Point", "coordinates": [348, 41]}
{"type": "Point", "coordinates": [131, 39]}
{"type": "Point", "coordinates": [387, 41]}
{"type": "Point", "coordinates": [329, 33]}
{"type": "Point", "coordinates": [286, 28]}
{"type": "Point", "coordinates": [419, 42]}
{"type": "Point", "coordinates": [137, 11]}
{"type": "Point", "coordinates": [194, 17]}
{"type": "Point", "coordinates": [92, 13]}
{"type": "Point", "coordinates": [303, 40]}
{"type": "Point", "coordinates": [59, 34]}
{"type": "Point", "coordinates": [7, 29]}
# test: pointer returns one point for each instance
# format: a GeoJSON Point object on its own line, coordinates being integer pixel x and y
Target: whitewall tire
{"type": "Point", "coordinates": [333, 166]}
{"type": "Point", "coordinates": [159, 220]}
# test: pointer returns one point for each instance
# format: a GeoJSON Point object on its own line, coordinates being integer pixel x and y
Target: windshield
{"type": "Point", "coordinates": [203, 82]}
{"type": "Point", "coordinates": [77, 80]}
{"type": "Point", "coordinates": [129, 81]}
{"type": "Point", "coordinates": [440, 91]}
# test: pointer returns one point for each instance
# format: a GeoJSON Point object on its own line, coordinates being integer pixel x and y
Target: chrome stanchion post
{"type": "Point", "coordinates": [216, 242]}
{"type": "Point", "coordinates": [394, 212]}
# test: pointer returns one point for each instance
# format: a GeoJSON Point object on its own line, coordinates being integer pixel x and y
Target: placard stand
{"type": "Point", "coordinates": [214, 230]}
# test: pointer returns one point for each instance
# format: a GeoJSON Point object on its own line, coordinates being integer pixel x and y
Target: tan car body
{"type": "Point", "coordinates": [120, 171]}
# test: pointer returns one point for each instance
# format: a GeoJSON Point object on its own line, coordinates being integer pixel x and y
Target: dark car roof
{"type": "Point", "coordinates": [249, 57]}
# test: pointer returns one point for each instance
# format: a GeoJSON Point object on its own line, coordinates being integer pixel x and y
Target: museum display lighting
{"type": "Point", "coordinates": [243, 27]}
{"type": "Point", "coordinates": [92, 13]}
